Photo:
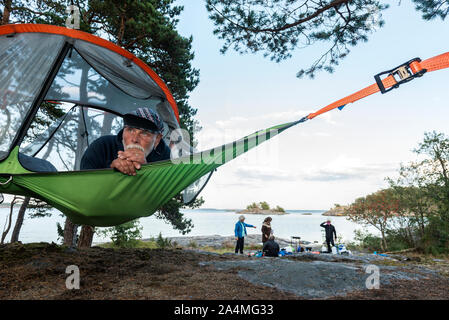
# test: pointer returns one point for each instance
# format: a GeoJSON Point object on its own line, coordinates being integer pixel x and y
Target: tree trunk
{"type": "Point", "coordinates": [384, 242]}
{"type": "Point", "coordinates": [5, 232]}
{"type": "Point", "coordinates": [19, 221]}
{"type": "Point", "coordinates": [70, 233]}
{"type": "Point", "coordinates": [107, 124]}
{"type": "Point", "coordinates": [6, 12]}
{"type": "Point", "coordinates": [86, 236]}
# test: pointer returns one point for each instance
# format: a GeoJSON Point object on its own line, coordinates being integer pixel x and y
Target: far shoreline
{"type": "Point", "coordinates": [263, 212]}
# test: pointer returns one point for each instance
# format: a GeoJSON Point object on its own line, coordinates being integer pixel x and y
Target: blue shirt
{"type": "Point", "coordinates": [240, 229]}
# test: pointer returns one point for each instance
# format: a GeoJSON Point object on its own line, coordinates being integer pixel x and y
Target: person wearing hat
{"type": "Point", "coordinates": [330, 234]}
{"type": "Point", "coordinates": [240, 233]}
{"type": "Point", "coordinates": [139, 142]}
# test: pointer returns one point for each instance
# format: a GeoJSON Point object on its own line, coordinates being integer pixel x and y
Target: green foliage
{"type": "Point", "coordinates": [415, 214]}
{"type": "Point", "coordinates": [434, 173]}
{"type": "Point", "coordinates": [277, 27]}
{"type": "Point", "coordinates": [370, 243]}
{"type": "Point", "coordinates": [38, 209]}
{"type": "Point", "coordinates": [252, 206]}
{"type": "Point", "coordinates": [60, 231]}
{"type": "Point", "coordinates": [436, 236]}
{"type": "Point", "coordinates": [125, 235]}
{"type": "Point", "coordinates": [170, 212]}
{"type": "Point", "coordinates": [432, 8]}
{"type": "Point", "coordinates": [193, 244]}
{"type": "Point", "coordinates": [264, 205]}
{"type": "Point", "coordinates": [376, 210]}
{"type": "Point", "coordinates": [163, 243]}
{"type": "Point", "coordinates": [279, 209]}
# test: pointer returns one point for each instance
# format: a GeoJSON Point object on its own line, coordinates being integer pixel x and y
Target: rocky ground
{"type": "Point", "coordinates": [38, 271]}
{"type": "Point", "coordinates": [216, 241]}
{"type": "Point", "coordinates": [338, 211]}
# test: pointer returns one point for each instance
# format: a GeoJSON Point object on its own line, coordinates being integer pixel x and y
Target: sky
{"type": "Point", "coordinates": [333, 158]}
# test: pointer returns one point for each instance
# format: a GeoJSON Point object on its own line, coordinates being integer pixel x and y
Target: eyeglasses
{"type": "Point", "coordinates": [144, 134]}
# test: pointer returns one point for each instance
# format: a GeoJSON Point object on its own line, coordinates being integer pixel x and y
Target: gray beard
{"type": "Point", "coordinates": [138, 146]}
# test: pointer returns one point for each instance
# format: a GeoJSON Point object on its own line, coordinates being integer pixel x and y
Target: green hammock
{"type": "Point", "coordinates": [106, 197]}
{"type": "Point", "coordinates": [56, 80]}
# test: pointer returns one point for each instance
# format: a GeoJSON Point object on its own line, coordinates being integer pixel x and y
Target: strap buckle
{"type": "Point", "coordinates": [401, 74]}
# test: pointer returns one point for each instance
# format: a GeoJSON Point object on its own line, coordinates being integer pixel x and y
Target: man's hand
{"type": "Point", "coordinates": [129, 161]}
{"type": "Point", "coordinates": [124, 166]}
{"type": "Point", "coordinates": [134, 155]}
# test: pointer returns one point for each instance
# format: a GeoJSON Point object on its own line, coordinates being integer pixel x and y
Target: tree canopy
{"type": "Point", "coordinates": [278, 27]}
{"type": "Point", "coordinates": [415, 209]}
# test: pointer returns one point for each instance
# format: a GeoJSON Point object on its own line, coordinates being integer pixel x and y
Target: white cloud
{"type": "Point", "coordinates": [346, 168]}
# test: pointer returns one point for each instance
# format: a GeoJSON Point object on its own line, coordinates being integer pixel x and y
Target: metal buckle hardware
{"type": "Point", "coordinates": [402, 74]}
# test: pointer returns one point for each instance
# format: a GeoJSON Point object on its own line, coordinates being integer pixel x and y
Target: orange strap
{"type": "Point", "coordinates": [405, 72]}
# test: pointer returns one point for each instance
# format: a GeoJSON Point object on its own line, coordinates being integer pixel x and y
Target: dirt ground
{"type": "Point", "coordinates": [38, 271]}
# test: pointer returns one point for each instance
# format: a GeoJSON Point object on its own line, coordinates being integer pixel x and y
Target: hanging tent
{"type": "Point", "coordinates": [60, 89]}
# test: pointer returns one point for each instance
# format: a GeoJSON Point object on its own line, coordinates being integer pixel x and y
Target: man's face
{"type": "Point", "coordinates": [140, 139]}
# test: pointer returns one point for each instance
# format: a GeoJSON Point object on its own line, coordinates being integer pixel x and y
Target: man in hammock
{"type": "Point", "coordinates": [138, 143]}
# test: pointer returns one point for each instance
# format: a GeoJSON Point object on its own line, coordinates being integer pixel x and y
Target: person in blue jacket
{"type": "Point", "coordinates": [240, 233]}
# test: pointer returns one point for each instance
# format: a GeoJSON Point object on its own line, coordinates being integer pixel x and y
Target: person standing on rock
{"type": "Point", "coordinates": [266, 229]}
{"type": "Point", "coordinates": [240, 233]}
{"type": "Point", "coordinates": [330, 234]}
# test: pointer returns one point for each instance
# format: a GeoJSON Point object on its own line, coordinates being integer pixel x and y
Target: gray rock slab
{"type": "Point", "coordinates": [217, 241]}
{"type": "Point", "coordinates": [311, 279]}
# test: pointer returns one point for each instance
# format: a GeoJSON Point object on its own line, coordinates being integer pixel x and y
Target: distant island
{"type": "Point", "coordinates": [337, 210]}
{"type": "Point", "coordinates": [262, 208]}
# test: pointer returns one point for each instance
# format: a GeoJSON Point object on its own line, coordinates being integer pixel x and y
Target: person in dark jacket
{"type": "Point", "coordinates": [271, 247]}
{"type": "Point", "coordinates": [139, 142]}
{"type": "Point", "coordinates": [240, 233]}
{"type": "Point", "coordinates": [266, 229]}
{"type": "Point", "coordinates": [330, 234]}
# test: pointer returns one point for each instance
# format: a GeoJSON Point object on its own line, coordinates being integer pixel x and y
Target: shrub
{"type": "Point", "coordinates": [193, 244]}
{"type": "Point", "coordinates": [279, 209]}
{"type": "Point", "coordinates": [371, 243]}
{"type": "Point", "coordinates": [125, 235]}
{"type": "Point", "coordinates": [163, 242]}
{"type": "Point", "coordinates": [264, 205]}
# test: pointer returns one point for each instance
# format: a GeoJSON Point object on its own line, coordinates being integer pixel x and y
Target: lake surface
{"type": "Point", "coordinates": [206, 222]}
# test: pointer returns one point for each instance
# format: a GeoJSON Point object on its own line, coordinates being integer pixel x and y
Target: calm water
{"type": "Point", "coordinates": [206, 222]}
